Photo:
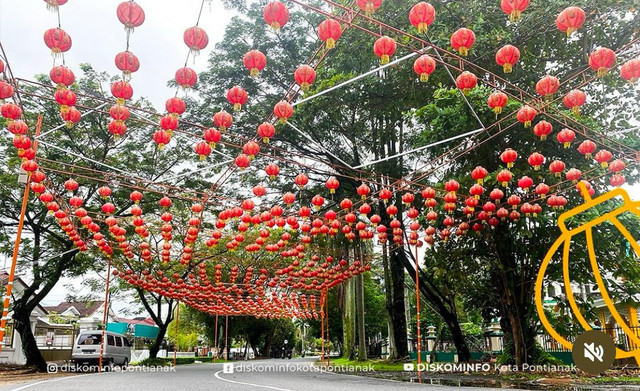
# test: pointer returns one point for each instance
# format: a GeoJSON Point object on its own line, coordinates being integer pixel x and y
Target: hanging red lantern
{"type": "Point", "coordinates": [175, 106]}
{"type": "Point", "coordinates": [617, 180]}
{"type": "Point", "coordinates": [169, 123]}
{"type": "Point", "coordinates": [162, 138]}
{"type": "Point", "coordinates": [196, 39]}
{"type": "Point", "coordinates": [617, 166]}
{"type": "Point", "coordinates": [587, 148]}
{"type": "Point", "coordinates": [507, 56]}
{"type": "Point", "coordinates": [526, 115]}
{"type": "Point", "coordinates": [301, 180]}
{"type": "Point", "coordinates": [574, 175]}
{"type": "Point", "coordinates": [504, 177]}
{"type": "Point", "coordinates": [128, 63]}
{"type": "Point", "coordinates": [547, 86]}
{"type": "Point", "coordinates": [542, 190]}
{"type": "Point", "coordinates": [186, 77]}
{"type": "Point", "coordinates": [601, 60]}
{"type": "Point", "coordinates": [135, 196]}
{"type": "Point", "coordinates": [525, 183]}
{"type": "Point", "coordinates": [570, 20]}
{"type": "Point", "coordinates": [29, 166]}
{"type": "Point", "coordinates": [65, 98]}
{"type": "Point", "coordinates": [237, 96]}
{"type": "Point", "coordinates": [254, 61]}
{"type": "Point", "coordinates": [329, 32]}
{"type": "Point", "coordinates": [478, 174]}
{"type": "Point", "coordinates": [283, 110]}
{"type": "Point", "coordinates": [266, 131]}
{"type": "Point", "coordinates": [557, 167]}
{"type": "Point", "coordinates": [630, 70]}
{"type": "Point", "coordinates": [466, 82]}
{"type": "Point", "coordinates": [368, 6]}
{"type": "Point", "coordinates": [462, 40]}
{"type": "Point", "coordinates": [259, 191]}
{"type": "Point", "coordinates": [6, 90]}
{"type": "Point", "coordinates": [18, 127]}
{"type": "Point", "coordinates": [384, 48]}
{"type": "Point", "coordinates": [212, 136]}
{"type": "Point", "coordinates": [71, 185]}
{"type": "Point", "coordinates": [514, 8]}
{"type": "Point", "coordinates": [424, 66]}
{"type": "Point", "coordinates": [332, 184]}
{"type": "Point", "coordinates": [122, 91]}
{"type": "Point", "coordinates": [61, 76]}
{"type": "Point", "coordinates": [119, 113]}
{"type": "Point", "coordinates": [21, 143]}
{"type": "Point", "coordinates": [508, 157]}
{"type": "Point", "coordinates": [497, 101]}
{"type": "Point", "coordinates": [275, 14]}
{"type": "Point", "coordinates": [317, 201]}
{"type": "Point", "coordinates": [222, 120]}
{"type": "Point", "coordinates": [603, 157]}
{"type": "Point", "coordinates": [130, 14]}
{"type": "Point", "coordinates": [574, 99]}
{"type": "Point", "coordinates": [203, 149]}
{"type": "Point", "coordinates": [71, 116]}
{"type": "Point", "coordinates": [251, 149]}
{"type": "Point", "coordinates": [242, 161]}
{"type": "Point", "coordinates": [363, 191]}
{"type": "Point", "coordinates": [565, 137]}
{"type": "Point", "coordinates": [542, 129]}
{"type": "Point", "coordinates": [536, 160]}
{"type": "Point", "coordinates": [421, 16]}
{"type": "Point", "coordinates": [304, 76]}
{"type": "Point", "coordinates": [57, 40]}
{"type": "Point", "coordinates": [117, 128]}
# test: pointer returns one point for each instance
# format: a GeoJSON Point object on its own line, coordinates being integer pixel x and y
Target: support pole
{"type": "Point", "coordinates": [226, 338]}
{"type": "Point", "coordinates": [16, 246]}
{"type": "Point", "coordinates": [215, 339]}
{"type": "Point", "coordinates": [105, 317]}
{"type": "Point", "coordinates": [322, 315]}
{"type": "Point", "coordinates": [326, 300]}
{"type": "Point", "coordinates": [175, 345]}
{"type": "Point", "coordinates": [418, 334]}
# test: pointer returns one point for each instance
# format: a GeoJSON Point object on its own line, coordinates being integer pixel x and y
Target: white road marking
{"type": "Point", "coordinates": [51, 381]}
{"type": "Point", "coordinates": [247, 384]}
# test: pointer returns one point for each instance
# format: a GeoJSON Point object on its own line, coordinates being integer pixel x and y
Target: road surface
{"type": "Point", "coordinates": [263, 375]}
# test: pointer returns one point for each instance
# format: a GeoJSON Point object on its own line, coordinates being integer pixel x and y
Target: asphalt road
{"type": "Point", "coordinates": [293, 375]}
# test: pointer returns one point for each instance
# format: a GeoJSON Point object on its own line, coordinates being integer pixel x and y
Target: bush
{"type": "Point", "coordinates": [169, 361]}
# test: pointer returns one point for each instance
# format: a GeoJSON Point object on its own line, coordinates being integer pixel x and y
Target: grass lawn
{"type": "Point", "coordinates": [378, 365]}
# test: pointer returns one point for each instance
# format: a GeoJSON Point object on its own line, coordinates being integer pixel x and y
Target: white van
{"type": "Point", "coordinates": [86, 351]}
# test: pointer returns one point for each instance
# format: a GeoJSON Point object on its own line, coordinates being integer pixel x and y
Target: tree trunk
{"type": "Point", "coordinates": [349, 319]}
{"type": "Point", "coordinates": [398, 315]}
{"type": "Point", "coordinates": [162, 331]}
{"type": "Point", "coordinates": [362, 346]}
{"type": "Point", "coordinates": [388, 302]}
{"type": "Point", "coordinates": [30, 349]}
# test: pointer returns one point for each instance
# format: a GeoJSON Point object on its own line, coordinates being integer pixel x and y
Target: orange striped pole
{"type": "Point", "coordinates": [16, 246]}
{"type": "Point", "coordinates": [105, 315]}
{"type": "Point", "coordinates": [418, 318]}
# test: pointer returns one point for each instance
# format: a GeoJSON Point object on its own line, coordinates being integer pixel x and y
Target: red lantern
{"type": "Point", "coordinates": [29, 166]}
{"type": "Point", "coordinates": [601, 60]}
{"type": "Point", "coordinates": [526, 115]}
{"type": "Point", "coordinates": [514, 8]}
{"type": "Point", "coordinates": [525, 183]}
{"type": "Point", "coordinates": [237, 96]}
{"type": "Point", "coordinates": [603, 157]}
{"type": "Point", "coordinates": [130, 14]}
{"type": "Point", "coordinates": [504, 177]}
{"type": "Point", "coordinates": [301, 180]}
{"type": "Point", "coordinates": [536, 160]}
{"type": "Point", "coordinates": [57, 40]}
{"type": "Point", "coordinates": [117, 128]}
{"type": "Point", "coordinates": [421, 16]}
{"type": "Point", "coordinates": [71, 185]}
{"type": "Point", "coordinates": [71, 116]}
{"type": "Point", "coordinates": [304, 76]}
{"type": "Point", "coordinates": [251, 149]}
{"type": "Point", "coordinates": [384, 48]}
{"type": "Point", "coordinates": [630, 70]}
{"type": "Point", "coordinates": [497, 101]}
{"type": "Point", "coordinates": [135, 196]}
{"type": "Point", "coordinates": [574, 99]}
{"type": "Point", "coordinates": [587, 148]}
{"type": "Point", "coordinates": [617, 166]}
{"type": "Point", "coordinates": [65, 98]}
{"type": "Point", "coordinates": [329, 32]}
{"type": "Point", "coordinates": [542, 189]}
{"type": "Point", "coordinates": [462, 40]}
{"type": "Point", "coordinates": [128, 63]}
{"type": "Point", "coordinates": [196, 39]}
{"type": "Point", "coordinates": [203, 149]}
{"type": "Point", "coordinates": [275, 14]}
{"type": "Point", "coordinates": [542, 129]}
{"type": "Point", "coordinates": [122, 91]}
{"type": "Point", "coordinates": [507, 56]}
{"type": "Point", "coordinates": [478, 174]}
{"type": "Point", "coordinates": [508, 157]}
{"type": "Point", "coordinates": [424, 66]}
{"type": "Point", "coordinates": [363, 191]}
{"type": "Point", "coordinates": [259, 191]}
{"type": "Point", "coordinates": [332, 184]}
{"type": "Point", "coordinates": [570, 20]}
{"type": "Point", "coordinates": [574, 175]}
{"type": "Point", "coordinates": [61, 76]}
{"type": "Point", "coordinates": [266, 131]}
{"type": "Point", "coordinates": [283, 110]}
{"type": "Point", "coordinates": [162, 138]}
{"type": "Point", "coordinates": [6, 90]}
{"type": "Point", "coordinates": [368, 6]}
{"type": "Point", "coordinates": [175, 106]}
{"type": "Point", "coordinates": [52, 5]}
{"type": "Point", "coordinates": [119, 113]}
{"type": "Point", "coordinates": [565, 137]}
{"type": "Point", "coordinates": [254, 61]}
{"type": "Point", "coordinates": [18, 127]}
{"type": "Point", "coordinates": [617, 180]}
{"type": "Point", "coordinates": [212, 136]}
{"type": "Point", "coordinates": [557, 167]}
{"type": "Point", "coordinates": [186, 77]}
{"type": "Point", "coordinates": [547, 86]}
{"type": "Point", "coordinates": [317, 201]}
{"type": "Point", "coordinates": [222, 120]}
{"type": "Point", "coordinates": [466, 81]}
{"type": "Point", "coordinates": [242, 161]}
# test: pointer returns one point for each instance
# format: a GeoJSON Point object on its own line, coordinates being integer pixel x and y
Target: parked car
{"type": "Point", "coordinates": [86, 351]}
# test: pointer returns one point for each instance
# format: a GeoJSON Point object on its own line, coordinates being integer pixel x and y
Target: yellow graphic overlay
{"type": "Point", "coordinates": [565, 241]}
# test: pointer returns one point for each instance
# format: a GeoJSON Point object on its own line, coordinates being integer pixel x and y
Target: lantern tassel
{"type": "Point", "coordinates": [508, 68]}
{"type": "Point", "coordinates": [331, 43]}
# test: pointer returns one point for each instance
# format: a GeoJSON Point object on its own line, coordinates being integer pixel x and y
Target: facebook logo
{"type": "Point", "coordinates": [227, 368]}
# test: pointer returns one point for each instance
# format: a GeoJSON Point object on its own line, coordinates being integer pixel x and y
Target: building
{"type": "Point", "coordinates": [86, 315]}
